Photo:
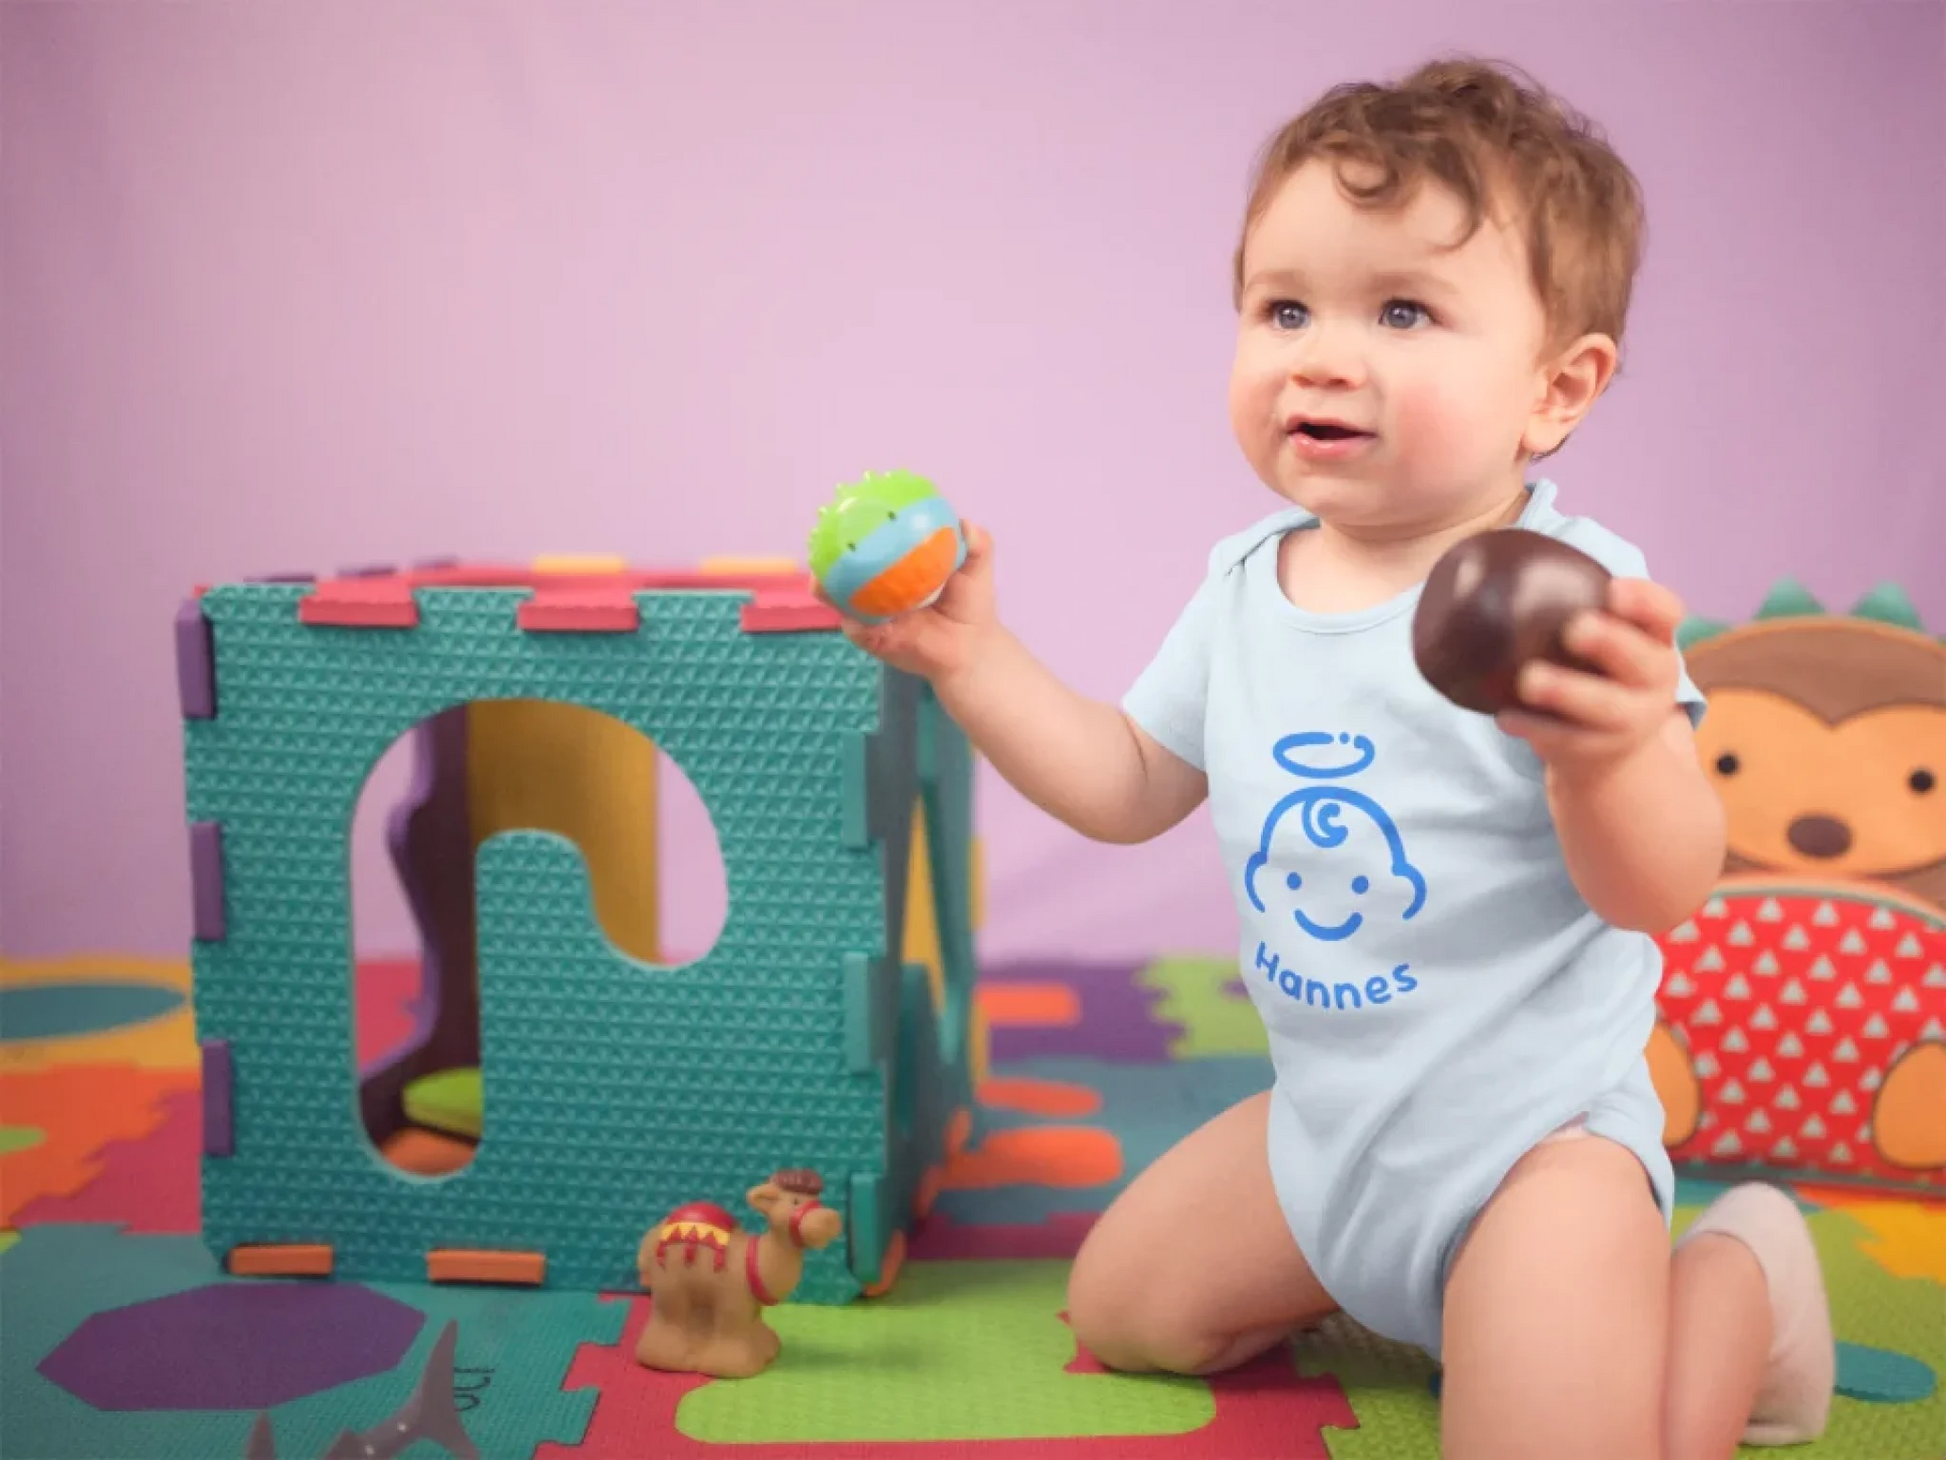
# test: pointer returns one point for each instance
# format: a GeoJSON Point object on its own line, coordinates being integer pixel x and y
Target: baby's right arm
{"type": "Point", "coordinates": [1078, 759]}
{"type": "Point", "coordinates": [1082, 761]}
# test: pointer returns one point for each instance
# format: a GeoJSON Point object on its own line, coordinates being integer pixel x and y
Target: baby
{"type": "Point", "coordinates": [1446, 918]}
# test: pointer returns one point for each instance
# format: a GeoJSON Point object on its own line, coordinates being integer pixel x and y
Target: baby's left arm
{"type": "Point", "coordinates": [1640, 825]}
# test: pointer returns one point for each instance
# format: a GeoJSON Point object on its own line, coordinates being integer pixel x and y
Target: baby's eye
{"type": "Point", "coordinates": [1404, 314]}
{"type": "Point", "coordinates": [1287, 314]}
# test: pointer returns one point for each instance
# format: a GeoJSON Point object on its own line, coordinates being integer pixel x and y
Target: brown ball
{"type": "Point", "coordinates": [1493, 602]}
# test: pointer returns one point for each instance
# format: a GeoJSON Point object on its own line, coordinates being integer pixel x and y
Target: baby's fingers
{"type": "Point", "coordinates": [1620, 650]}
{"type": "Point", "coordinates": [1650, 606]}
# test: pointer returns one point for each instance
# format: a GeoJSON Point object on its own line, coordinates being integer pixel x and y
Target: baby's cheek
{"type": "Point", "coordinates": [1429, 416]}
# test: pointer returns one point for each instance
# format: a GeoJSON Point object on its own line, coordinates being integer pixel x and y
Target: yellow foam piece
{"type": "Point", "coordinates": [921, 913]}
{"type": "Point", "coordinates": [1908, 1237]}
{"type": "Point", "coordinates": [922, 934]}
{"type": "Point", "coordinates": [545, 766]}
{"type": "Point", "coordinates": [579, 563]}
{"type": "Point", "coordinates": [164, 1043]}
{"type": "Point", "coordinates": [736, 567]}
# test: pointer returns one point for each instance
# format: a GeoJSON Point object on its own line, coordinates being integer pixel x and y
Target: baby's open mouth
{"type": "Point", "coordinates": [1329, 431]}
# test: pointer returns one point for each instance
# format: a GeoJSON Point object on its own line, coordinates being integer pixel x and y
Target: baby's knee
{"type": "Point", "coordinates": [1130, 1322]}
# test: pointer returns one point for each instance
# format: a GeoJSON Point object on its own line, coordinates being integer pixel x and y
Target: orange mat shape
{"type": "Point", "coordinates": [1053, 1098]}
{"type": "Point", "coordinates": [1050, 1155]}
{"type": "Point", "coordinates": [1037, 1004]}
{"type": "Point", "coordinates": [82, 1108]}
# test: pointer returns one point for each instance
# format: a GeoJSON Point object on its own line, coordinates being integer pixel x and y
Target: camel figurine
{"type": "Point", "coordinates": [709, 1280]}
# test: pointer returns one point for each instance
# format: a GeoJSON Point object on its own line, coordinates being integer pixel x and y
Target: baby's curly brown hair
{"type": "Point", "coordinates": [1507, 149]}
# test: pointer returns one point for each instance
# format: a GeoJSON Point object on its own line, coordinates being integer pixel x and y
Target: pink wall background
{"type": "Point", "coordinates": [315, 284]}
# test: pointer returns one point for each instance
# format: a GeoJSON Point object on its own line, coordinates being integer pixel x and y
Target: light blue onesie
{"type": "Point", "coordinates": [1438, 995]}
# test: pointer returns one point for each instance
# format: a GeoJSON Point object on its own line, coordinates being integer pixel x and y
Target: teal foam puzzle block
{"type": "Point", "coordinates": [513, 1354]}
{"type": "Point", "coordinates": [614, 1090]}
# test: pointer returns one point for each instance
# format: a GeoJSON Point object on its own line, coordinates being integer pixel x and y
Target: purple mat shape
{"type": "Point", "coordinates": [1118, 1022]}
{"type": "Point", "coordinates": [233, 1346]}
{"type": "Point", "coordinates": [941, 1239]}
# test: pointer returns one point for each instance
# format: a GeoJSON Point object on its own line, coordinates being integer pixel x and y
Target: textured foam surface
{"type": "Point", "coordinates": [894, 1369]}
{"type": "Point", "coordinates": [613, 1090]}
{"type": "Point", "coordinates": [513, 1355]}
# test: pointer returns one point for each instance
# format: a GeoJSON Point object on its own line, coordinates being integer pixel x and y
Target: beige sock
{"type": "Point", "coordinates": [1794, 1396]}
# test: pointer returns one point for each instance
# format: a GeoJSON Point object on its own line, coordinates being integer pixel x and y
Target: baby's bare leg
{"type": "Point", "coordinates": [1557, 1313]}
{"type": "Point", "coordinates": [1193, 1268]}
{"type": "Point", "coordinates": [1719, 1330]}
{"type": "Point", "coordinates": [1751, 1356]}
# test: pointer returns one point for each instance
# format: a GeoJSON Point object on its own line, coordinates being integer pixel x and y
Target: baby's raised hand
{"type": "Point", "coordinates": [938, 640]}
{"type": "Point", "coordinates": [1580, 722]}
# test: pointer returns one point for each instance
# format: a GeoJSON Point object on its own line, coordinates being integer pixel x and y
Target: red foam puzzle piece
{"type": "Point", "coordinates": [364, 603]}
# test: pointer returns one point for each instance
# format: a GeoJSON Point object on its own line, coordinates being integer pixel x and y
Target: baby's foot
{"type": "Point", "coordinates": [1794, 1396]}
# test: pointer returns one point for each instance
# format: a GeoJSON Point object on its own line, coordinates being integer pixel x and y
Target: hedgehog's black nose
{"type": "Point", "coordinates": [1819, 836]}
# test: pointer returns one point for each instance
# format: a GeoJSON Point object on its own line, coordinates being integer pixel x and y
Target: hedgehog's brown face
{"type": "Point", "coordinates": [1826, 739]}
{"type": "Point", "coordinates": [1863, 798]}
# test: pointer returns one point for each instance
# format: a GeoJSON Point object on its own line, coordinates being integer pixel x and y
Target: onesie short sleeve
{"type": "Point", "coordinates": [1170, 697]}
{"type": "Point", "coordinates": [1625, 560]}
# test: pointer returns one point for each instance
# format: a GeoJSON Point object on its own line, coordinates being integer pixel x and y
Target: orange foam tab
{"type": "Point", "coordinates": [888, 1267]}
{"type": "Point", "coordinates": [281, 1259]}
{"type": "Point", "coordinates": [464, 1265]}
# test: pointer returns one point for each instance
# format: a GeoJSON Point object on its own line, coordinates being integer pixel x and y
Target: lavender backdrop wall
{"type": "Point", "coordinates": [314, 284]}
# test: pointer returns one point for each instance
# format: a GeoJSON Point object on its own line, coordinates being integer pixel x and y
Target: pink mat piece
{"type": "Point", "coordinates": [938, 1238]}
{"type": "Point", "coordinates": [152, 1185]}
{"type": "Point", "coordinates": [386, 989]}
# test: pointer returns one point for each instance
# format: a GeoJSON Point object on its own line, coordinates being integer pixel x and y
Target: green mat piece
{"type": "Point", "coordinates": [521, 1343]}
{"type": "Point", "coordinates": [1387, 1385]}
{"type": "Point", "coordinates": [449, 1100]}
{"type": "Point", "coordinates": [1398, 1419]}
{"type": "Point", "coordinates": [1214, 1023]}
{"type": "Point", "coordinates": [8, 1238]}
{"type": "Point", "coordinates": [19, 1138]}
{"type": "Point", "coordinates": [956, 1351]}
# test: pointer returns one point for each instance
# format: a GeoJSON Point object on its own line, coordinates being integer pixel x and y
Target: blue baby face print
{"type": "Point", "coordinates": [1329, 853]}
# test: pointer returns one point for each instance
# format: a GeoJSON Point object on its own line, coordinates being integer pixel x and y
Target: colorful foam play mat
{"type": "Point", "coordinates": [121, 1336]}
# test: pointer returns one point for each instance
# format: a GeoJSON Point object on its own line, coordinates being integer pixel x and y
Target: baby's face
{"type": "Point", "coordinates": [1369, 319]}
